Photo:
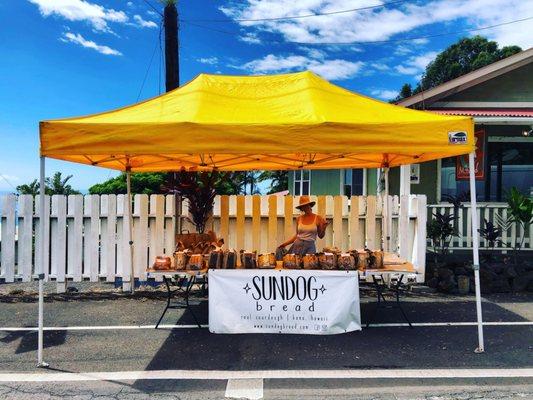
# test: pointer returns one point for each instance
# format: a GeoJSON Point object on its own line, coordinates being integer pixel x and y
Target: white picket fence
{"type": "Point", "coordinates": [88, 240]}
{"type": "Point", "coordinates": [485, 212]}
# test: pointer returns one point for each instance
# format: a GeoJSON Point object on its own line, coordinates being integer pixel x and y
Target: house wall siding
{"type": "Point", "coordinates": [323, 182]}
{"type": "Point", "coordinates": [515, 85]}
{"type": "Point", "coordinates": [427, 185]}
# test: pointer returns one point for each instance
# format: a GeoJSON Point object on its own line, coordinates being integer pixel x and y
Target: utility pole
{"type": "Point", "coordinates": [172, 76]}
{"type": "Point", "coordinates": [172, 65]}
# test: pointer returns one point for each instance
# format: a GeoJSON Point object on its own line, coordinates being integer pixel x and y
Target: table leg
{"type": "Point", "coordinates": [190, 284]}
{"type": "Point", "coordinates": [379, 293]}
{"type": "Point", "coordinates": [398, 302]}
{"type": "Point", "coordinates": [169, 295]}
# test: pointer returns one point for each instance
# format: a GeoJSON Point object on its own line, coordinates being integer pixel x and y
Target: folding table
{"type": "Point", "coordinates": [190, 278]}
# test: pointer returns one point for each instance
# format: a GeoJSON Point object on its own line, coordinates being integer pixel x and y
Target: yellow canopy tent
{"type": "Point", "coordinates": [274, 122]}
{"type": "Point", "coordinates": [261, 122]}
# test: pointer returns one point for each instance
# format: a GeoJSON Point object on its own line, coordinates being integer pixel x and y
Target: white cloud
{"type": "Point", "coordinates": [381, 23]}
{"type": "Point", "coordinates": [143, 23]}
{"type": "Point", "coordinates": [416, 64]}
{"type": "Point", "coordinates": [80, 10]}
{"type": "Point", "coordinates": [384, 94]}
{"type": "Point", "coordinates": [151, 13]}
{"type": "Point", "coordinates": [251, 38]}
{"type": "Point", "coordinates": [380, 66]}
{"type": "Point", "coordinates": [328, 69]}
{"type": "Point", "coordinates": [80, 40]}
{"type": "Point", "coordinates": [208, 60]}
{"type": "Point", "coordinates": [129, 4]}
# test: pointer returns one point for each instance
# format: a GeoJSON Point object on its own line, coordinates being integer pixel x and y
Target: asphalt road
{"type": "Point", "coordinates": [381, 348]}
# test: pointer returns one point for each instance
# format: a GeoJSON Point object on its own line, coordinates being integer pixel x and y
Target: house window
{"type": "Point", "coordinates": [353, 182]}
{"type": "Point", "coordinates": [509, 162]}
{"type": "Point", "coordinates": [302, 182]}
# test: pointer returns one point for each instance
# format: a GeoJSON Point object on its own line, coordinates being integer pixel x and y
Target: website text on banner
{"type": "Point", "coordinates": [284, 301]}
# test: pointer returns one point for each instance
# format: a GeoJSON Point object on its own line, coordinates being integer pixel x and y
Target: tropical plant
{"type": "Point", "coordinates": [440, 230]}
{"type": "Point", "coordinates": [29, 188]}
{"type": "Point", "coordinates": [200, 189]}
{"type": "Point", "coordinates": [55, 185]}
{"type": "Point", "coordinates": [520, 212]}
{"type": "Point", "coordinates": [59, 185]}
{"type": "Point", "coordinates": [279, 180]}
{"type": "Point", "coordinates": [490, 233]}
{"type": "Point", "coordinates": [457, 202]}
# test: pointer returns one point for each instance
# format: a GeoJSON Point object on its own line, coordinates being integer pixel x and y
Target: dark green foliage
{"type": "Point", "coordinates": [55, 185]}
{"type": "Point", "coordinates": [490, 233]}
{"type": "Point", "coordinates": [520, 210]}
{"type": "Point", "coordinates": [29, 188]}
{"type": "Point", "coordinates": [440, 230]}
{"type": "Point", "coordinates": [59, 185]}
{"type": "Point", "coordinates": [279, 180]}
{"type": "Point", "coordinates": [141, 183]}
{"type": "Point", "coordinates": [199, 188]}
{"type": "Point", "coordinates": [465, 56]}
{"type": "Point", "coordinates": [405, 91]}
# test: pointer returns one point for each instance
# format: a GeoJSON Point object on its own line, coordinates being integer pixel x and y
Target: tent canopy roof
{"type": "Point", "coordinates": [287, 121]}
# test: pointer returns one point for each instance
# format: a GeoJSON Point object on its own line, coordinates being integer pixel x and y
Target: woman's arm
{"type": "Point", "coordinates": [292, 239]}
{"type": "Point", "coordinates": [321, 225]}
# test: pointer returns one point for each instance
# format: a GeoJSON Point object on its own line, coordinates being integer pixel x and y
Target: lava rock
{"type": "Point", "coordinates": [521, 282]}
{"type": "Point", "coordinates": [463, 284]}
{"type": "Point", "coordinates": [447, 285]}
{"type": "Point", "coordinates": [501, 286]}
{"type": "Point", "coordinates": [433, 282]}
{"type": "Point", "coordinates": [510, 272]}
{"type": "Point", "coordinates": [445, 274]}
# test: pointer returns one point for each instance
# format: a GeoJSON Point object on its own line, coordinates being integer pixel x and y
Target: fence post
{"type": "Point", "coordinates": [59, 241]}
{"type": "Point", "coordinates": [7, 219]}
{"type": "Point", "coordinates": [419, 246]}
{"type": "Point", "coordinates": [25, 239]}
{"type": "Point", "coordinates": [75, 236]}
{"type": "Point", "coordinates": [370, 222]}
{"type": "Point", "coordinates": [239, 222]}
{"type": "Point", "coordinates": [403, 227]}
{"type": "Point", "coordinates": [272, 222]}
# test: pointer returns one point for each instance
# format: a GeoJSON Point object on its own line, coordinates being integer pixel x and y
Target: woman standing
{"type": "Point", "coordinates": [308, 227]}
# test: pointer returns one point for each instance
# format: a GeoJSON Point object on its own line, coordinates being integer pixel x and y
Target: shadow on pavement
{"type": "Point", "coordinates": [28, 340]}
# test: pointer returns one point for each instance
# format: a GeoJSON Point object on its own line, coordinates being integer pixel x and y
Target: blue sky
{"type": "Point", "coordinates": [63, 58]}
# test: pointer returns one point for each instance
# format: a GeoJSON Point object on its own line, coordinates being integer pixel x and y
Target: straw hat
{"type": "Point", "coordinates": [305, 200]}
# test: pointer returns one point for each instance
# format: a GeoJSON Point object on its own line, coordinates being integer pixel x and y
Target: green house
{"type": "Point", "coordinates": [500, 99]}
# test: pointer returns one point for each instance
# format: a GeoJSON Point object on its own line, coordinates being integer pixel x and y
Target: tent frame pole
{"type": "Point", "coordinates": [386, 211]}
{"type": "Point", "coordinates": [130, 228]}
{"type": "Point", "coordinates": [41, 275]}
{"type": "Point", "coordinates": [475, 250]}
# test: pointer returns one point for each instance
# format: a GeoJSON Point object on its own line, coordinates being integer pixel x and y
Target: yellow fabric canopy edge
{"type": "Point", "coordinates": [328, 126]}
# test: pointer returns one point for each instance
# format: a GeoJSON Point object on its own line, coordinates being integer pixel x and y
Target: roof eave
{"type": "Point", "coordinates": [471, 79]}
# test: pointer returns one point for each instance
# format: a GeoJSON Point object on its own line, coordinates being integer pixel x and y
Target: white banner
{"type": "Point", "coordinates": [283, 301]}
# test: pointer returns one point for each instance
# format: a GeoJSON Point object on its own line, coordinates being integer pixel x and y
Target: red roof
{"type": "Point", "coordinates": [488, 112]}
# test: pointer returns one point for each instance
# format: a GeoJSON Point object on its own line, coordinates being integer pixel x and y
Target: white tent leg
{"type": "Point", "coordinates": [386, 212]}
{"type": "Point", "coordinates": [130, 230]}
{"type": "Point", "coordinates": [42, 231]}
{"type": "Point", "coordinates": [475, 251]}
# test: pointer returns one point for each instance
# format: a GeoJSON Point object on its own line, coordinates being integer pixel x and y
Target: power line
{"type": "Point", "coordinates": [152, 7]}
{"type": "Point", "coordinates": [391, 3]}
{"type": "Point", "coordinates": [418, 37]}
{"type": "Point", "coordinates": [9, 183]}
{"type": "Point", "coordinates": [371, 41]}
{"type": "Point", "coordinates": [149, 67]}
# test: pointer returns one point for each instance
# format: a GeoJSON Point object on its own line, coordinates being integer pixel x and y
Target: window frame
{"type": "Point", "coordinates": [299, 182]}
